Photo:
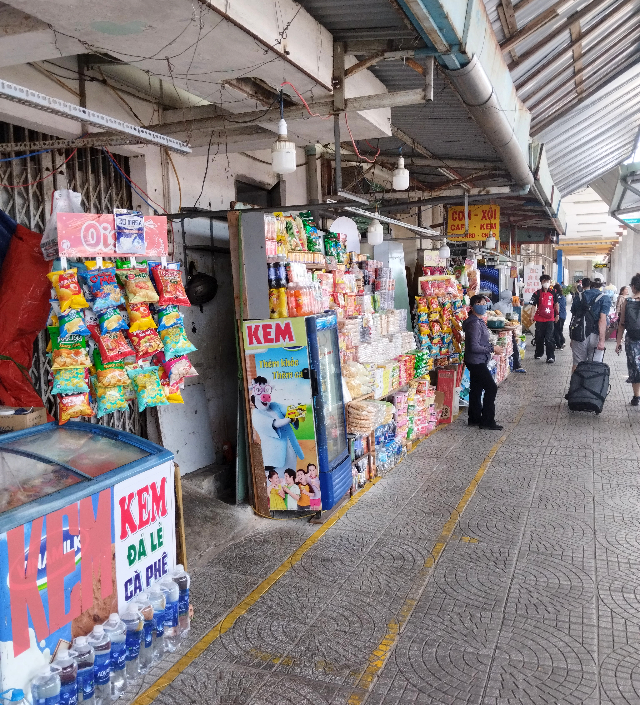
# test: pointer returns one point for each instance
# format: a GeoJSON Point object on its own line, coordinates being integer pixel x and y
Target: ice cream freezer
{"type": "Point", "coordinates": [87, 522]}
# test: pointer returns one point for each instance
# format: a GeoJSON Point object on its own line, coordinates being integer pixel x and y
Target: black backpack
{"type": "Point", "coordinates": [632, 318]}
{"type": "Point", "coordinates": [583, 323]}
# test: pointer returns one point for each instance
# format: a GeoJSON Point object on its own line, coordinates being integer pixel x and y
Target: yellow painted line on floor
{"type": "Point", "coordinates": [241, 608]}
{"type": "Point", "coordinates": [378, 657]}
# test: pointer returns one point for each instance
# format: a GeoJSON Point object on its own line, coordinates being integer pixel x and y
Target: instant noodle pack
{"type": "Point", "coordinates": [117, 335]}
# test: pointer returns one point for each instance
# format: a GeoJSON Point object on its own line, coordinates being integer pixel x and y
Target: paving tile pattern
{"type": "Point", "coordinates": [535, 598]}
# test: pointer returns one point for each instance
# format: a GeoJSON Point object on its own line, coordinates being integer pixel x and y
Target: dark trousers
{"type": "Point", "coordinates": [482, 411]}
{"type": "Point", "coordinates": [558, 332]}
{"type": "Point", "coordinates": [516, 353]}
{"type": "Point", "coordinates": [544, 338]}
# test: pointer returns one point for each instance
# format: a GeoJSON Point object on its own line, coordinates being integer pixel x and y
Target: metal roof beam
{"type": "Point", "coordinates": [533, 26]}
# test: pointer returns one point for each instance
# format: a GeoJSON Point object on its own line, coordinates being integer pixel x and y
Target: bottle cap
{"type": "Point", "coordinates": [179, 568]}
{"type": "Point", "coordinates": [113, 617]}
{"type": "Point", "coordinates": [98, 630]}
{"type": "Point", "coordinates": [81, 640]}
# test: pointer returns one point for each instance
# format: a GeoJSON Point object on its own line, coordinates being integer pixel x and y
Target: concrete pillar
{"type": "Point", "coordinates": [626, 254]}
{"type": "Point", "coordinates": [635, 259]}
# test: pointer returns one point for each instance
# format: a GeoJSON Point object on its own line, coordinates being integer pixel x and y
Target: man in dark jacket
{"type": "Point", "coordinates": [477, 353]}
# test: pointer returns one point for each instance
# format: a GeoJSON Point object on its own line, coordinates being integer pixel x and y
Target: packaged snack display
{"type": "Point", "coordinates": [169, 316]}
{"type": "Point", "coordinates": [139, 317]}
{"type": "Point", "coordinates": [109, 374]}
{"type": "Point", "coordinates": [104, 288]}
{"type": "Point", "coordinates": [146, 342]}
{"type": "Point", "coordinates": [137, 286]}
{"type": "Point", "coordinates": [175, 342]}
{"type": "Point", "coordinates": [68, 353]}
{"type": "Point", "coordinates": [111, 321]}
{"type": "Point", "coordinates": [67, 288]}
{"type": "Point", "coordinates": [69, 381]}
{"type": "Point", "coordinates": [108, 399]}
{"type": "Point", "coordinates": [148, 388]}
{"type": "Point", "coordinates": [72, 323]}
{"type": "Point", "coordinates": [170, 287]}
{"type": "Point", "coordinates": [129, 227]}
{"type": "Point", "coordinates": [73, 406]}
{"type": "Point", "coordinates": [178, 368]}
{"type": "Point", "coordinates": [171, 391]}
{"type": "Point", "coordinates": [112, 346]}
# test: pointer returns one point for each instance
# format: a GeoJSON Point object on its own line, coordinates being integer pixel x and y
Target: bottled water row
{"type": "Point", "coordinates": [98, 667]}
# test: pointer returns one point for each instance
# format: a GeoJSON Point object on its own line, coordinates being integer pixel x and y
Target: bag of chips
{"type": "Point", "coordinates": [148, 388]}
{"type": "Point", "coordinates": [67, 288]}
{"type": "Point", "coordinates": [139, 317]}
{"type": "Point", "coordinates": [104, 288]}
{"type": "Point", "coordinates": [69, 381]}
{"type": "Point", "coordinates": [72, 323]}
{"type": "Point", "coordinates": [112, 346]}
{"type": "Point", "coordinates": [169, 316]}
{"type": "Point", "coordinates": [108, 399]}
{"type": "Point", "coordinates": [137, 286]}
{"type": "Point", "coordinates": [171, 391]}
{"type": "Point", "coordinates": [175, 342]}
{"type": "Point", "coordinates": [109, 374]}
{"type": "Point", "coordinates": [170, 287]}
{"type": "Point", "coordinates": [111, 321]}
{"type": "Point", "coordinates": [178, 368]}
{"type": "Point", "coordinates": [68, 353]}
{"type": "Point", "coordinates": [145, 342]}
{"type": "Point", "coordinates": [73, 406]}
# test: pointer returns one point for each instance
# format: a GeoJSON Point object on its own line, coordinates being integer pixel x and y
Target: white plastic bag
{"type": "Point", "coordinates": [64, 201]}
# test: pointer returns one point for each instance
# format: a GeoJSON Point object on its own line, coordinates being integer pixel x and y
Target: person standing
{"type": "Point", "coordinates": [547, 308]}
{"type": "Point", "coordinates": [477, 353]}
{"type": "Point", "coordinates": [624, 292]}
{"type": "Point", "coordinates": [558, 331]}
{"type": "Point", "coordinates": [630, 322]}
{"type": "Point", "coordinates": [589, 314]}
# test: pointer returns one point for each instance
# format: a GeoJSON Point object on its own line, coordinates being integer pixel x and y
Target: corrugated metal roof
{"type": "Point", "coordinates": [581, 86]}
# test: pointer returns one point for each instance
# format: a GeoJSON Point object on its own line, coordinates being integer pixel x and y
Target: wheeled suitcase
{"type": "Point", "coordinates": [589, 387]}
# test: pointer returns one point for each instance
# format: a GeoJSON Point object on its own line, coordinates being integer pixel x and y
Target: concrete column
{"type": "Point", "coordinates": [635, 259]}
{"type": "Point", "coordinates": [626, 254]}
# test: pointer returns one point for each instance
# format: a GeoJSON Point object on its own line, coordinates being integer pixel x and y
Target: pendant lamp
{"type": "Point", "coordinates": [375, 232]}
{"type": "Point", "coordinates": [400, 176]}
{"type": "Point", "coordinates": [444, 252]}
{"type": "Point", "coordinates": [490, 243]}
{"type": "Point", "coordinates": [283, 151]}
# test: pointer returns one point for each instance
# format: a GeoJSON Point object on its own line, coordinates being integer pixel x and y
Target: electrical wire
{"type": "Point", "coordinates": [117, 166]}
{"type": "Point", "coordinates": [175, 171]}
{"type": "Point", "coordinates": [353, 142]}
{"type": "Point", "coordinates": [53, 171]}
{"type": "Point", "coordinates": [25, 156]}
{"type": "Point", "coordinates": [206, 170]}
{"type": "Point", "coordinates": [322, 117]}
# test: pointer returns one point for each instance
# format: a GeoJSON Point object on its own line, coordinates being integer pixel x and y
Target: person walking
{"type": "Point", "coordinates": [630, 322]}
{"type": "Point", "coordinates": [558, 329]}
{"type": "Point", "coordinates": [588, 326]}
{"type": "Point", "coordinates": [624, 292]}
{"type": "Point", "coordinates": [477, 353]}
{"type": "Point", "coordinates": [547, 308]}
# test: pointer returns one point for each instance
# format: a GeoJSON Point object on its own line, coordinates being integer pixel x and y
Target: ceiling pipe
{"type": "Point", "coordinates": [476, 91]}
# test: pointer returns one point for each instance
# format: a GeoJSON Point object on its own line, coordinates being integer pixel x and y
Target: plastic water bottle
{"type": "Point", "coordinates": [85, 659]}
{"type": "Point", "coordinates": [171, 637]}
{"type": "Point", "coordinates": [14, 695]}
{"type": "Point", "coordinates": [117, 632]}
{"type": "Point", "coordinates": [68, 677]}
{"type": "Point", "coordinates": [157, 597]}
{"type": "Point", "coordinates": [183, 580]}
{"type": "Point", "coordinates": [101, 643]}
{"type": "Point", "coordinates": [45, 687]}
{"type": "Point", "coordinates": [133, 621]}
{"type": "Point", "coordinates": [146, 647]}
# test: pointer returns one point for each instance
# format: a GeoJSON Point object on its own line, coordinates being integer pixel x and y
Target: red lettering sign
{"type": "Point", "coordinates": [59, 565]}
{"type": "Point", "coordinates": [158, 500]}
{"type": "Point", "coordinates": [253, 335]}
{"type": "Point", "coordinates": [95, 543]}
{"type": "Point", "coordinates": [127, 522]}
{"type": "Point", "coordinates": [144, 511]}
{"type": "Point", "coordinates": [267, 333]}
{"type": "Point", "coordinates": [284, 333]}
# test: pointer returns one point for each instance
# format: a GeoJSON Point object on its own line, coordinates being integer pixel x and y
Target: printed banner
{"type": "Point", "coordinates": [145, 541]}
{"type": "Point", "coordinates": [91, 235]}
{"type": "Point", "coordinates": [484, 220]}
{"type": "Point", "coordinates": [532, 274]}
{"type": "Point", "coordinates": [278, 373]}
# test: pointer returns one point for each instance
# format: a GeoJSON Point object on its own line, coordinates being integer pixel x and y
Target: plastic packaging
{"type": "Point", "coordinates": [110, 321]}
{"type": "Point", "coordinates": [137, 286]}
{"type": "Point", "coordinates": [183, 581]}
{"type": "Point", "coordinates": [109, 374]}
{"type": "Point", "coordinates": [170, 287]}
{"type": "Point", "coordinates": [104, 288]}
{"type": "Point", "coordinates": [117, 632]}
{"type": "Point", "coordinates": [146, 647]}
{"type": "Point", "coordinates": [101, 643]}
{"type": "Point", "coordinates": [175, 342]}
{"type": "Point", "coordinates": [139, 317]}
{"type": "Point", "coordinates": [72, 323]}
{"type": "Point", "coordinates": [69, 381]}
{"type": "Point", "coordinates": [112, 346]}
{"type": "Point", "coordinates": [85, 659]}
{"type": "Point", "coordinates": [108, 399]}
{"type": "Point", "coordinates": [66, 662]}
{"type": "Point", "coordinates": [146, 342]}
{"type": "Point", "coordinates": [169, 316]}
{"type": "Point", "coordinates": [171, 630]}
{"type": "Point", "coordinates": [45, 687]}
{"type": "Point", "coordinates": [157, 597]}
{"type": "Point", "coordinates": [72, 406]}
{"type": "Point", "coordinates": [67, 289]}
{"type": "Point", "coordinates": [133, 621]}
{"type": "Point", "coordinates": [178, 368]}
{"type": "Point", "coordinates": [148, 388]}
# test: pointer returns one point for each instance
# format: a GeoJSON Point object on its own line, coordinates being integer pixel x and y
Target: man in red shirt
{"type": "Point", "coordinates": [547, 312]}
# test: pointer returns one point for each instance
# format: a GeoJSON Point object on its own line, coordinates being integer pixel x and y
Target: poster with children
{"type": "Point", "coordinates": [279, 380]}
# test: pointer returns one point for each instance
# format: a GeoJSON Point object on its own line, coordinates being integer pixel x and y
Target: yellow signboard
{"type": "Point", "coordinates": [484, 221]}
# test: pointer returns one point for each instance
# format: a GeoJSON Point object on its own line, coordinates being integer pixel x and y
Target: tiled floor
{"type": "Point", "coordinates": [535, 597]}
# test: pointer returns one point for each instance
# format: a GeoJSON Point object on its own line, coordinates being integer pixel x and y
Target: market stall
{"type": "Point", "coordinates": [87, 522]}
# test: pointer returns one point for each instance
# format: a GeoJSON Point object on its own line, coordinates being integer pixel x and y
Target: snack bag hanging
{"type": "Point", "coordinates": [148, 388]}
{"type": "Point", "coordinates": [72, 323]}
{"type": "Point", "coordinates": [137, 286]}
{"type": "Point", "coordinates": [112, 346]}
{"type": "Point", "coordinates": [176, 342]}
{"type": "Point", "coordinates": [104, 288]}
{"type": "Point", "coordinates": [67, 288]}
{"type": "Point", "coordinates": [139, 317]}
{"type": "Point", "coordinates": [73, 406]}
{"type": "Point", "coordinates": [178, 368]}
{"type": "Point", "coordinates": [169, 285]}
{"type": "Point", "coordinates": [108, 399]}
{"type": "Point", "coordinates": [129, 227]}
{"type": "Point", "coordinates": [69, 381]}
{"type": "Point", "coordinates": [109, 374]}
{"type": "Point", "coordinates": [68, 353]}
{"type": "Point", "coordinates": [111, 321]}
{"type": "Point", "coordinates": [169, 316]}
{"type": "Point", "coordinates": [146, 342]}
{"type": "Point", "coordinates": [171, 391]}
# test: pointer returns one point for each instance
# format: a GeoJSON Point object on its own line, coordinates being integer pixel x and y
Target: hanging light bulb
{"type": "Point", "coordinates": [400, 176]}
{"type": "Point", "coordinates": [283, 151]}
{"type": "Point", "coordinates": [375, 232]}
{"type": "Point", "coordinates": [490, 243]}
{"type": "Point", "coordinates": [444, 252]}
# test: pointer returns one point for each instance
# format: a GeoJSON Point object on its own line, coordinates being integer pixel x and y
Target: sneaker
{"type": "Point", "coordinates": [521, 371]}
{"type": "Point", "coordinates": [635, 401]}
{"type": "Point", "coordinates": [537, 357]}
{"type": "Point", "coordinates": [492, 427]}
{"type": "Point", "coordinates": [550, 360]}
